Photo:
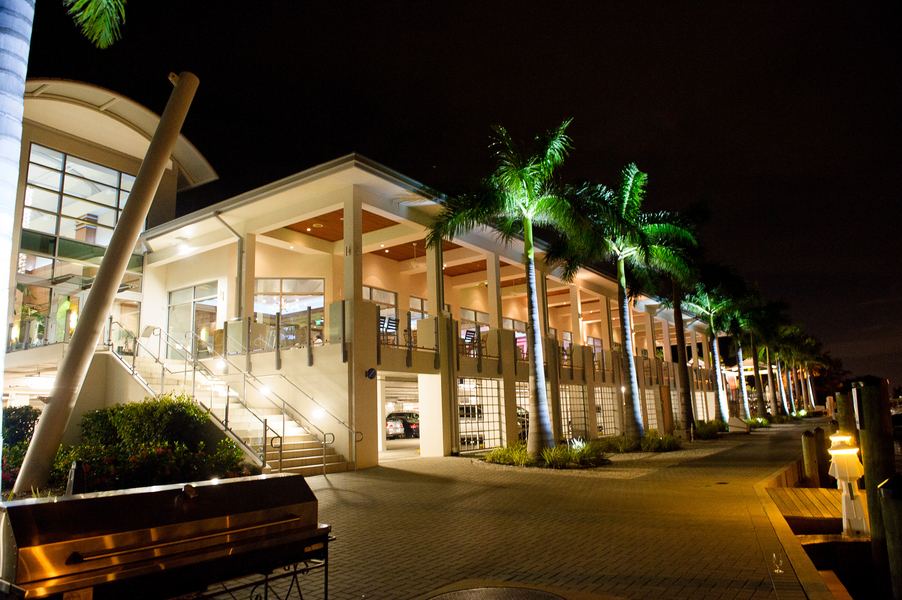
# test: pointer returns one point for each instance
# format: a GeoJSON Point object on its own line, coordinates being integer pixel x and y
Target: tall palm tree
{"type": "Point", "coordinates": [100, 20]}
{"type": "Point", "coordinates": [764, 322]}
{"type": "Point", "coordinates": [613, 227]}
{"type": "Point", "coordinates": [708, 301]}
{"type": "Point", "coordinates": [520, 194]}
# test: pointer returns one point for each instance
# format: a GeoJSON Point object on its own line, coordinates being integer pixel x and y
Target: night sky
{"type": "Point", "coordinates": [783, 118]}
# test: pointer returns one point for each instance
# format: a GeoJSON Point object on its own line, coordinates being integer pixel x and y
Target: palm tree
{"type": "Point", "coordinates": [709, 301]}
{"type": "Point", "coordinates": [518, 195]}
{"type": "Point", "coordinates": [765, 322]}
{"type": "Point", "coordinates": [615, 228]}
{"type": "Point", "coordinates": [99, 20]}
{"type": "Point", "coordinates": [732, 320]}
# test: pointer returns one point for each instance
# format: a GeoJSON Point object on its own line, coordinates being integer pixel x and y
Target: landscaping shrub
{"type": "Point", "coordinates": [557, 457]}
{"type": "Point", "coordinates": [757, 423]}
{"type": "Point", "coordinates": [514, 454]}
{"type": "Point", "coordinates": [708, 430]}
{"type": "Point", "coordinates": [778, 419]}
{"type": "Point", "coordinates": [652, 442]}
{"type": "Point", "coordinates": [154, 442]}
{"type": "Point", "coordinates": [18, 424]}
{"type": "Point", "coordinates": [567, 455]}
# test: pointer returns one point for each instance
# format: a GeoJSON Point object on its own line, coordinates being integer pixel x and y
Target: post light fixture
{"type": "Point", "coordinates": [847, 469]}
{"type": "Point", "coordinates": [840, 438]}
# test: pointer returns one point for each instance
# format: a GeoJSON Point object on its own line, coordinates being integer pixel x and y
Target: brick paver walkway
{"type": "Point", "coordinates": [690, 530]}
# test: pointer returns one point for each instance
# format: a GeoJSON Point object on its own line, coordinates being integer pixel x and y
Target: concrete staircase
{"type": "Point", "coordinates": [302, 453]}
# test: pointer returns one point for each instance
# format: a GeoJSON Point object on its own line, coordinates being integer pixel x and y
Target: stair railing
{"type": "Point", "coordinates": [133, 343]}
{"type": "Point", "coordinates": [278, 402]}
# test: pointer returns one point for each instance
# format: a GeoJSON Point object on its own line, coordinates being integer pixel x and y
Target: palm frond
{"type": "Point", "coordinates": [99, 20]}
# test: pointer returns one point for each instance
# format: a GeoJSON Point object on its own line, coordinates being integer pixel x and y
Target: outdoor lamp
{"type": "Point", "coordinates": [840, 438]}
{"type": "Point", "coordinates": [847, 469]}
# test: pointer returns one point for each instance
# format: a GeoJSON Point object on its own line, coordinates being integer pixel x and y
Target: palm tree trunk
{"type": "Point", "coordinates": [771, 392]}
{"type": "Point", "coordinates": [810, 388]}
{"type": "Point", "coordinates": [762, 407]}
{"type": "Point", "coordinates": [782, 389]}
{"type": "Point", "coordinates": [790, 379]}
{"type": "Point", "coordinates": [741, 382]}
{"type": "Point", "coordinates": [16, 21]}
{"type": "Point", "coordinates": [721, 405]}
{"type": "Point", "coordinates": [686, 418]}
{"type": "Point", "coordinates": [632, 409]}
{"type": "Point", "coordinates": [540, 435]}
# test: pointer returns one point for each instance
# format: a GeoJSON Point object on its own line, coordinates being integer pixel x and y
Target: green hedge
{"type": "Point", "coordinates": [154, 442]}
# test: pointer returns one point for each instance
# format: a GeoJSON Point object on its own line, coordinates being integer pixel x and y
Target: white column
{"type": "Point", "coordinates": [353, 247]}
{"type": "Point", "coordinates": [668, 342]}
{"type": "Point", "coordinates": [576, 322]}
{"type": "Point", "coordinates": [648, 319]}
{"type": "Point", "coordinates": [248, 276]}
{"type": "Point", "coordinates": [435, 294]}
{"type": "Point", "coordinates": [493, 278]}
{"type": "Point", "coordinates": [605, 323]}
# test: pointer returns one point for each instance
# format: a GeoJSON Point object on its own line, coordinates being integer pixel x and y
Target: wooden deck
{"type": "Point", "coordinates": [808, 503]}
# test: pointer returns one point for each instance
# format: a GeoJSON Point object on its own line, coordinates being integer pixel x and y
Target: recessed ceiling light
{"type": "Point", "coordinates": [386, 250]}
{"type": "Point", "coordinates": [308, 229]}
{"type": "Point", "coordinates": [382, 245]}
{"type": "Point", "coordinates": [291, 247]}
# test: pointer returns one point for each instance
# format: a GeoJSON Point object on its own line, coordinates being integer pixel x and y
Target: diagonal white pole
{"type": "Point", "coordinates": [71, 375]}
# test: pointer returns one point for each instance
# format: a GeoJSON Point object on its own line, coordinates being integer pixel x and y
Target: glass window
{"type": "Point", "coordinates": [32, 264]}
{"type": "Point", "coordinates": [36, 197]}
{"type": "Point", "coordinates": [84, 218]}
{"type": "Point", "coordinates": [92, 171]}
{"type": "Point", "coordinates": [387, 301]}
{"type": "Point", "coordinates": [88, 211]}
{"type": "Point", "coordinates": [82, 188]}
{"type": "Point", "coordinates": [44, 177]}
{"type": "Point", "coordinates": [46, 156]}
{"type": "Point", "coordinates": [37, 242]}
{"type": "Point", "coordinates": [85, 231]}
{"type": "Point", "coordinates": [269, 286]}
{"type": "Point", "coordinates": [38, 221]}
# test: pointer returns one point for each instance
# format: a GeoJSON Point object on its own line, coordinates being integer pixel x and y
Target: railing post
{"type": "Point", "coordinates": [478, 348]}
{"type": "Point", "coordinates": [263, 447]}
{"type": "Point", "coordinates": [193, 366]}
{"type": "Point", "coordinates": [247, 346]}
{"type": "Point", "coordinates": [225, 338]}
{"type": "Point", "coordinates": [309, 338]}
{"type": "Point", "coordinates": [344, 342]}
{"type": "Point", "coordinates": [437, 362]}
{"type": "Point", "coordinates": [66, 333]}
{"type": "Point", "coordinates": [279, 340]}
{"type": "Point", "coordinates": [409, 340]}
{"type": "Point", "coordinates": [109, 332]}
{"type": "Point", "coordinates": [226, 417]}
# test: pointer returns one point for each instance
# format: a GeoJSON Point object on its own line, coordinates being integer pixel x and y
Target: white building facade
{"type": "Point", "coordinates": [302, 312]}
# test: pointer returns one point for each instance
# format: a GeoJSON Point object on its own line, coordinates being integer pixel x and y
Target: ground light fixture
{"type": "Point", "coordinates": [847, 469]}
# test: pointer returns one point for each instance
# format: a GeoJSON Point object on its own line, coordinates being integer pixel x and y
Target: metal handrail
{"type": "Point", "coordinates": [285, 408]}
{"type": "Point", "coordinates": [134, 371]}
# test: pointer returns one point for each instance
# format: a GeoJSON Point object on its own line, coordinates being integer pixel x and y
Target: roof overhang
{"type": "Point", "coordinates": [111, 120]}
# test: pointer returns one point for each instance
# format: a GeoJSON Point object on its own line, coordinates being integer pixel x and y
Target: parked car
{"type": "Point", "coordinates": [402, 424]}
{"type": "Point", "coordinates": [523, 421]}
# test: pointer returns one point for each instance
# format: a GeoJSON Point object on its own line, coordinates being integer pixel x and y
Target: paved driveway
{"type": "Point", "coordinates": [685, 525]}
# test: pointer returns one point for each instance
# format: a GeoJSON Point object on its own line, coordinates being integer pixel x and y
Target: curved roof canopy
{"type": "Point", "coordinates": [110, 120]}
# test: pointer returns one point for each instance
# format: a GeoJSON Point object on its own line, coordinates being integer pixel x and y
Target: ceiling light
{"type": "Point", "coordinates": [308, 229]}
{"type": "Point", "coordinates": [317, 225]}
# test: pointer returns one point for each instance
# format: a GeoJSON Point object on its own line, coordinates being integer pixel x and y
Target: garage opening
{"type": "Point", "coordinates": [401, 410]}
